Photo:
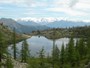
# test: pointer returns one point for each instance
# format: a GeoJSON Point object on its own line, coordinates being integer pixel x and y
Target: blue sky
{"type": "Point", "coordinates": [63, 9]}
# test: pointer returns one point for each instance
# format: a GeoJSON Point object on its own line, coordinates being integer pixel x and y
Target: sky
{"type": "Point", "coordinates": [78, 10]}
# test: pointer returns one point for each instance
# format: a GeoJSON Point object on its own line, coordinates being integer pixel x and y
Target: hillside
{"type": "Point", "coordinates": [57, 33]}
{"type": "Point", "coordinates": [8, 34]}
{"type": "Point", "coordinates": [35, 26]}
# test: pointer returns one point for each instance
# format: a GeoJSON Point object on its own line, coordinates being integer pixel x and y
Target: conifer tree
{"type": "Point", "coordinates": [71, 52]}
{"type": "Point", "coordinates": [66, 53]}
{"type": "Point", "coordinates": [9, 63]}
{"type": "Point", "coordinates": [77, 53]}
{"type": "Point", "coordinates": [41, 57]}
{"type": "Point", "coordinates": [82, 48]}
{"type": "Point", "coordinates": [56, 54]}
{"type": "Point", "coordinates": [49, 58]}
{"type": "Point", "coordinates": [77, 44]}
{"type": "Point", "coordinates": [88, 47]}
{"type": "Point", "coordinates": [14, 45]}
{"type": "Point", "coordinates": [62, 56]}
{"type": "Point", "coordinates": [1, 44]}
{"type": "Point", "coordinates": [25, 52]}
{"type": "Point", "coordinates": [53, 54]}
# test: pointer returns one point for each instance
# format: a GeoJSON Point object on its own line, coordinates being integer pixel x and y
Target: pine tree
{"type": "Point", "coordinates": [56, 53]}
{"type": "Point", "coordinates": [53, 54]}
{"type": "Point", "coordinates": [82, 48]}
{"type": "Point", "coordinates": [77, 53]}
{"type": "Point", "coordinates": [62, 56]}
{"type": "Point", "coordinates": [9, 63]}
{"type": "Point", "coordinates": [25, 52]}
{"type": "Point", "coordinates": [88, 47]}
{"type": "Point", "coordinates": [14, 45]}
{"type": "Point", "coordinates": [71, 52]}
{"type": "Point", "coordinates": [77, 44]}
{"type": "Point", "coordinates": [66, 53]}
{"type": "Point", "coordinates": [48, 58]}
{"type": "Point", "coordinates": [2, 46]}
{"type": "Point", "coordinates": [41, 57]}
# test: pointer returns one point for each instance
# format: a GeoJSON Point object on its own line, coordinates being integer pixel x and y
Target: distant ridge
{"type": "Point", "coordinates": [55, 22]}
{"type": "Point", "coordinates": [27, 26]}
{"type": "Point", "coordinates": [19, 27]}
{"type": "Point", "coordinates": [64, 24]}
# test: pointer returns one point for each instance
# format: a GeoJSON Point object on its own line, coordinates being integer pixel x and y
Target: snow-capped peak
{"type": "Point", "coordinates": [48, 19]}
{"type": "Point", "coordinates": [38, 20]}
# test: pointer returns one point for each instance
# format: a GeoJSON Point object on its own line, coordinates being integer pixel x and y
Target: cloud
{"type": "Point", "coordinates": [85, 7]}
{"type": "Point", "coordinates": [50, 8]}
{"type": "Point", "coordinates": [71, 7]}
{"type": "Point", "coordinates": [60, 3]}
{"type": "Point", "coordinates": [24, 3]}
{"type": "Point", "coordinates": [67, 11]}
{"type": "Point", "coordinates": [11, 1]}
{"type": "Point", "coordinates": [73, 3]}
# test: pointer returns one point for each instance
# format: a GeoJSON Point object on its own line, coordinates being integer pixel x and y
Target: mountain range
{"type": "Point", "coordinates": [21, 28]}
{"type": "Point", "coordinates": [64, 24]}
{"type": "Point", "coordinates": [27, 26]}
{"type": "Point", "coordinates": [54, 23]}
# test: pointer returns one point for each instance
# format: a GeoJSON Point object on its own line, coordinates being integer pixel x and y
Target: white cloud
{"type": "Point", "coordinates": [74, 8]}
{"type": "Point", "coordinates": [68, 11]}
{"type": "Point", "coordinates": [24, 3]}
{"type": "Point", "coordinates": [65, 3]}
{"type": "Point", "coordinates": [60, 3]}
{"type": "Point", "coordinates": [73, 3]}
{"type": "Point", "coordinates": [82, 6]}
{"type": "Point", "coordinates": [71, 7]}
{"type": "Point", "coordinates": [85, 7]}
{"type": "Point", "coordinates": [11, 1]}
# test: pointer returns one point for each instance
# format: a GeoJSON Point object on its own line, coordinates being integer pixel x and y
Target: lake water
{"type": "Point", "coordinates": [36, 43]}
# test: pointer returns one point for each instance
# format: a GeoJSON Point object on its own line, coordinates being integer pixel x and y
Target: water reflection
{"type": "Point", "coordinates": [36, 43]}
